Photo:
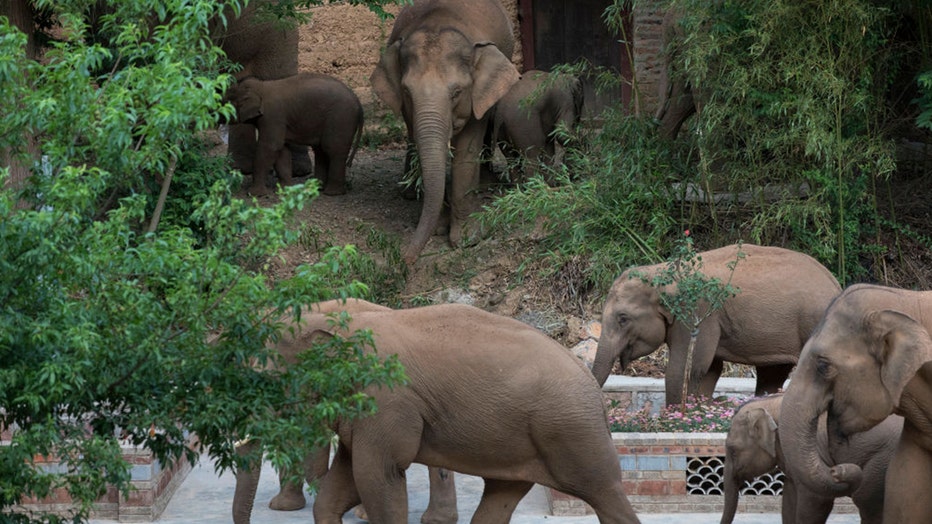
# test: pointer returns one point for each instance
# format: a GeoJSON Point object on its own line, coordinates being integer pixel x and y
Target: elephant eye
{"type": "Point", "coordinates": [825, 368]}
{"type": "Point", "coordinates": [455, 93]}
{"type": "Point", "coordinates": [623, 319]}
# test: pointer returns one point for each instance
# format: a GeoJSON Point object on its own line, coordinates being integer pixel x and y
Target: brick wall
{"type": "Point", "coordinates": [152, 487]}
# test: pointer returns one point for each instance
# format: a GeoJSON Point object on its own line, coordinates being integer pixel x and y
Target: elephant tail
{"type": "Point", "coordinates": [360, 124]}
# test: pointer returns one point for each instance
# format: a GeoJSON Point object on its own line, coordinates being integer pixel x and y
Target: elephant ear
{"type": "Point", "coordinates": [901, 344]}
{"type": "Point", "coordinates": [248, 103]}
{"type": "Point", "coordinates": [763, 430]}
{"type": "Point", "coordinates": [386, 78]}
{"type": "Point", "coordinates": [493, 74]}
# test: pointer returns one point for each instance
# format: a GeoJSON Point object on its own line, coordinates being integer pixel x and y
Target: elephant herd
{"type": "Point", "coordinates": [492, 397]}
{"type": "Point", "coordinates": [446, 69]}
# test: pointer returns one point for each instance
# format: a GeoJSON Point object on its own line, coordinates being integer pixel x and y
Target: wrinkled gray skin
{"type": "Point", "coordinates": [526, 117]}
{"type": "Point", "coordinates": [552, 430]}
{"type": "Point", "coordinates": [266, 50]}
{"type": "Point", "coordinates": [441, 508]}
{"type": "Point", "coordinates": [445, 65]}
{"type": "Point", "coordinates": [754, 447]}
{"type": "Point", "coordinates": [910, 474]}
{"type": "Point", "coordinates": [782, 295]}
{"type": "Point", "coordinates": [855, 367]}
{"type": "Point", "coordinates": [307, 109]}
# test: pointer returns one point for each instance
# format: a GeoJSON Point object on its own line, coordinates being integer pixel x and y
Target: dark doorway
{"type": "Point", "coordinates": [563, 31]}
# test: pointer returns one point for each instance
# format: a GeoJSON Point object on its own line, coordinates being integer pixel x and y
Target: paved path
{"type": "Point", "coordinates": [205, 498]}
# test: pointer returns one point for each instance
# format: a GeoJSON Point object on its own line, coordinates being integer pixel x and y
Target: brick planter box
{"type": "Point", "coordinates": [152, 487]}
{"type": "Point", "coordinates": [681, 473]}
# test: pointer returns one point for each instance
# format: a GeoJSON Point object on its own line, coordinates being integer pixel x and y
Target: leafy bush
{"type": "Point", "coordinates": [696, 415]}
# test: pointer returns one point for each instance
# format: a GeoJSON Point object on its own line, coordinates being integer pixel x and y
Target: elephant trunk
{"type": "Point", "coordinates": [732, 487]}
{"type": "Point", "coordinates": [247, 482]}
{"type": "Point", "coordinates": [432, 130]}
{"type": "Point", "coordinates": [799, 422]}
{"type": "Point", "coordinates": [605, 357]}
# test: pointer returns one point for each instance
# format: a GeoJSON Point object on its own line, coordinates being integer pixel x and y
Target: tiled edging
{"type": "Point", "coordinates": [654, 472]}
{"type": "Point", "coordinates": [152, 488]}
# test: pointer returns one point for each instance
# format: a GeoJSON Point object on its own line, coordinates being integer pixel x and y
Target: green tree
{"type": "Point", "coordinates": [116, 324]}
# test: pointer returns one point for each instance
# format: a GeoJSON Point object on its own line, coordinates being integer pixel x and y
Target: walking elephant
{"type": "Point", "coordinates": [504, 402]}
{"type": "Point", "coordinates": [526, 120]}
{"type": "Point", "coordinates": [856, 368]}
{"type": "Point", "coordinates": [754, 444]}
{"type": "Point", "coordinates": [782, 295]}
{"type": "Point", "coordinates": [441, 508]}
{"type": "Point", "coordinates": [446, 63]}
{"type": "Point", "coordinates": [307, 109]}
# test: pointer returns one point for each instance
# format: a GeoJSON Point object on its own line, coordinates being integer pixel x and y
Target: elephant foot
{"type": "Point", "coordinates": [334, 189]}
{"type": "Point", "coordinates": [288, 500]}
{"type": "Point", "coordinates": [442, 516]}
{"type": "Point", "coordinates": [258, 190]}
{"type": "Point", "coordinates": [360, 512]}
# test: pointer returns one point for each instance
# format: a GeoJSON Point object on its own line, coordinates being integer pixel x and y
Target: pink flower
{"type": "Point", "coordinates": [686, 233]}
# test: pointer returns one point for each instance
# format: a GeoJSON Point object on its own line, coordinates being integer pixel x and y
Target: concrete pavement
{"type": "Point", "coordinates": [205, 498]}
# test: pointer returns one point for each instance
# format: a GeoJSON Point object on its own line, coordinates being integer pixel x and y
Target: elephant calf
{"type": "Point", "coordinates": [307, 109]}
{"type": "Point", "coordinates": [527, 118]}
{"type": "Point", "coordinates": [754, 446]}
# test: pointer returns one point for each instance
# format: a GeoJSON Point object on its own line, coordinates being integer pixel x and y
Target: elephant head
{"type": "Point", "coordinates": [439, 81]}
{"type": "Point", "coordinates": [750, 448]}
{"type": "Point", "coordinates": [854, 368]}
{"type": "Point", "coordinates": [246, 98]}
{"type": "Point", "coordinates": [634, 324]}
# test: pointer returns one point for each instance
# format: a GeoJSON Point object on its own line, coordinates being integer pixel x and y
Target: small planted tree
{"type": "Point", "coordinates": [689, 295]}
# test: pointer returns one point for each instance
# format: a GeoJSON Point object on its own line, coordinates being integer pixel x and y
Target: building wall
{"type": "Point", "coordinates": [344, 41]}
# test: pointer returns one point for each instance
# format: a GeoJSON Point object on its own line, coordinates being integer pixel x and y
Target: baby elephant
{"type": "Point", "coordinates": [527, 117]}
{"type": "Point", "coordinates": [753, 448]}
{"type": "Point", "coordinates": [306, 109]}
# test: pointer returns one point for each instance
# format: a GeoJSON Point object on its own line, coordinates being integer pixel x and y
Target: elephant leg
{"type": "Point", "coordinates": [788, 504]}
{"type": "Point", "coordinates": [770, 379]}
{"type": "Point", "coordinates": [499, 500]}
{"type": "Point", "coordinates": [301, 164]}
{"type": "Point", "coordinates": [678, 367]}
{"type": "Point", "coordinates": [336, 173]}
{"type": "Point", "coordinates": [242, 146]}
{"type": "Point", "coordinates": [337, 493]}
{"type": "Point", "coordinates": [267, 155]}
{"type": "Point", "coordinates": [812, 508]}
{"type": "Point", "coordinates": [290, 495]}
{"type": "Point", "coordinates": [441, 508]}
{"type": "Point", "coordinates": [710, 379]}
{"type": "Point", "coordinates": [283, 166]}
{"type": "Point", "coordinates": [247, 481]}
{"type": "Point", "coordinates": [465, 172]}
{"type": "Point", "coordinates": [382, 486]}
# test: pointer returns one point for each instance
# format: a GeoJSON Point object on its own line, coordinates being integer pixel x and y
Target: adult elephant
{"type": "Point", "coordinates": [855, 368]}
{"type": "Point", "coordinates": [782, 295]}
{"type": "Point", "coordinates": [441, 506]}
{"type": "Point", "coordinates": [445, 65]}
{"type": "Point", "coordinates": [552, 430]}
{"type": "Point", "coordinates": [754, 446]}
